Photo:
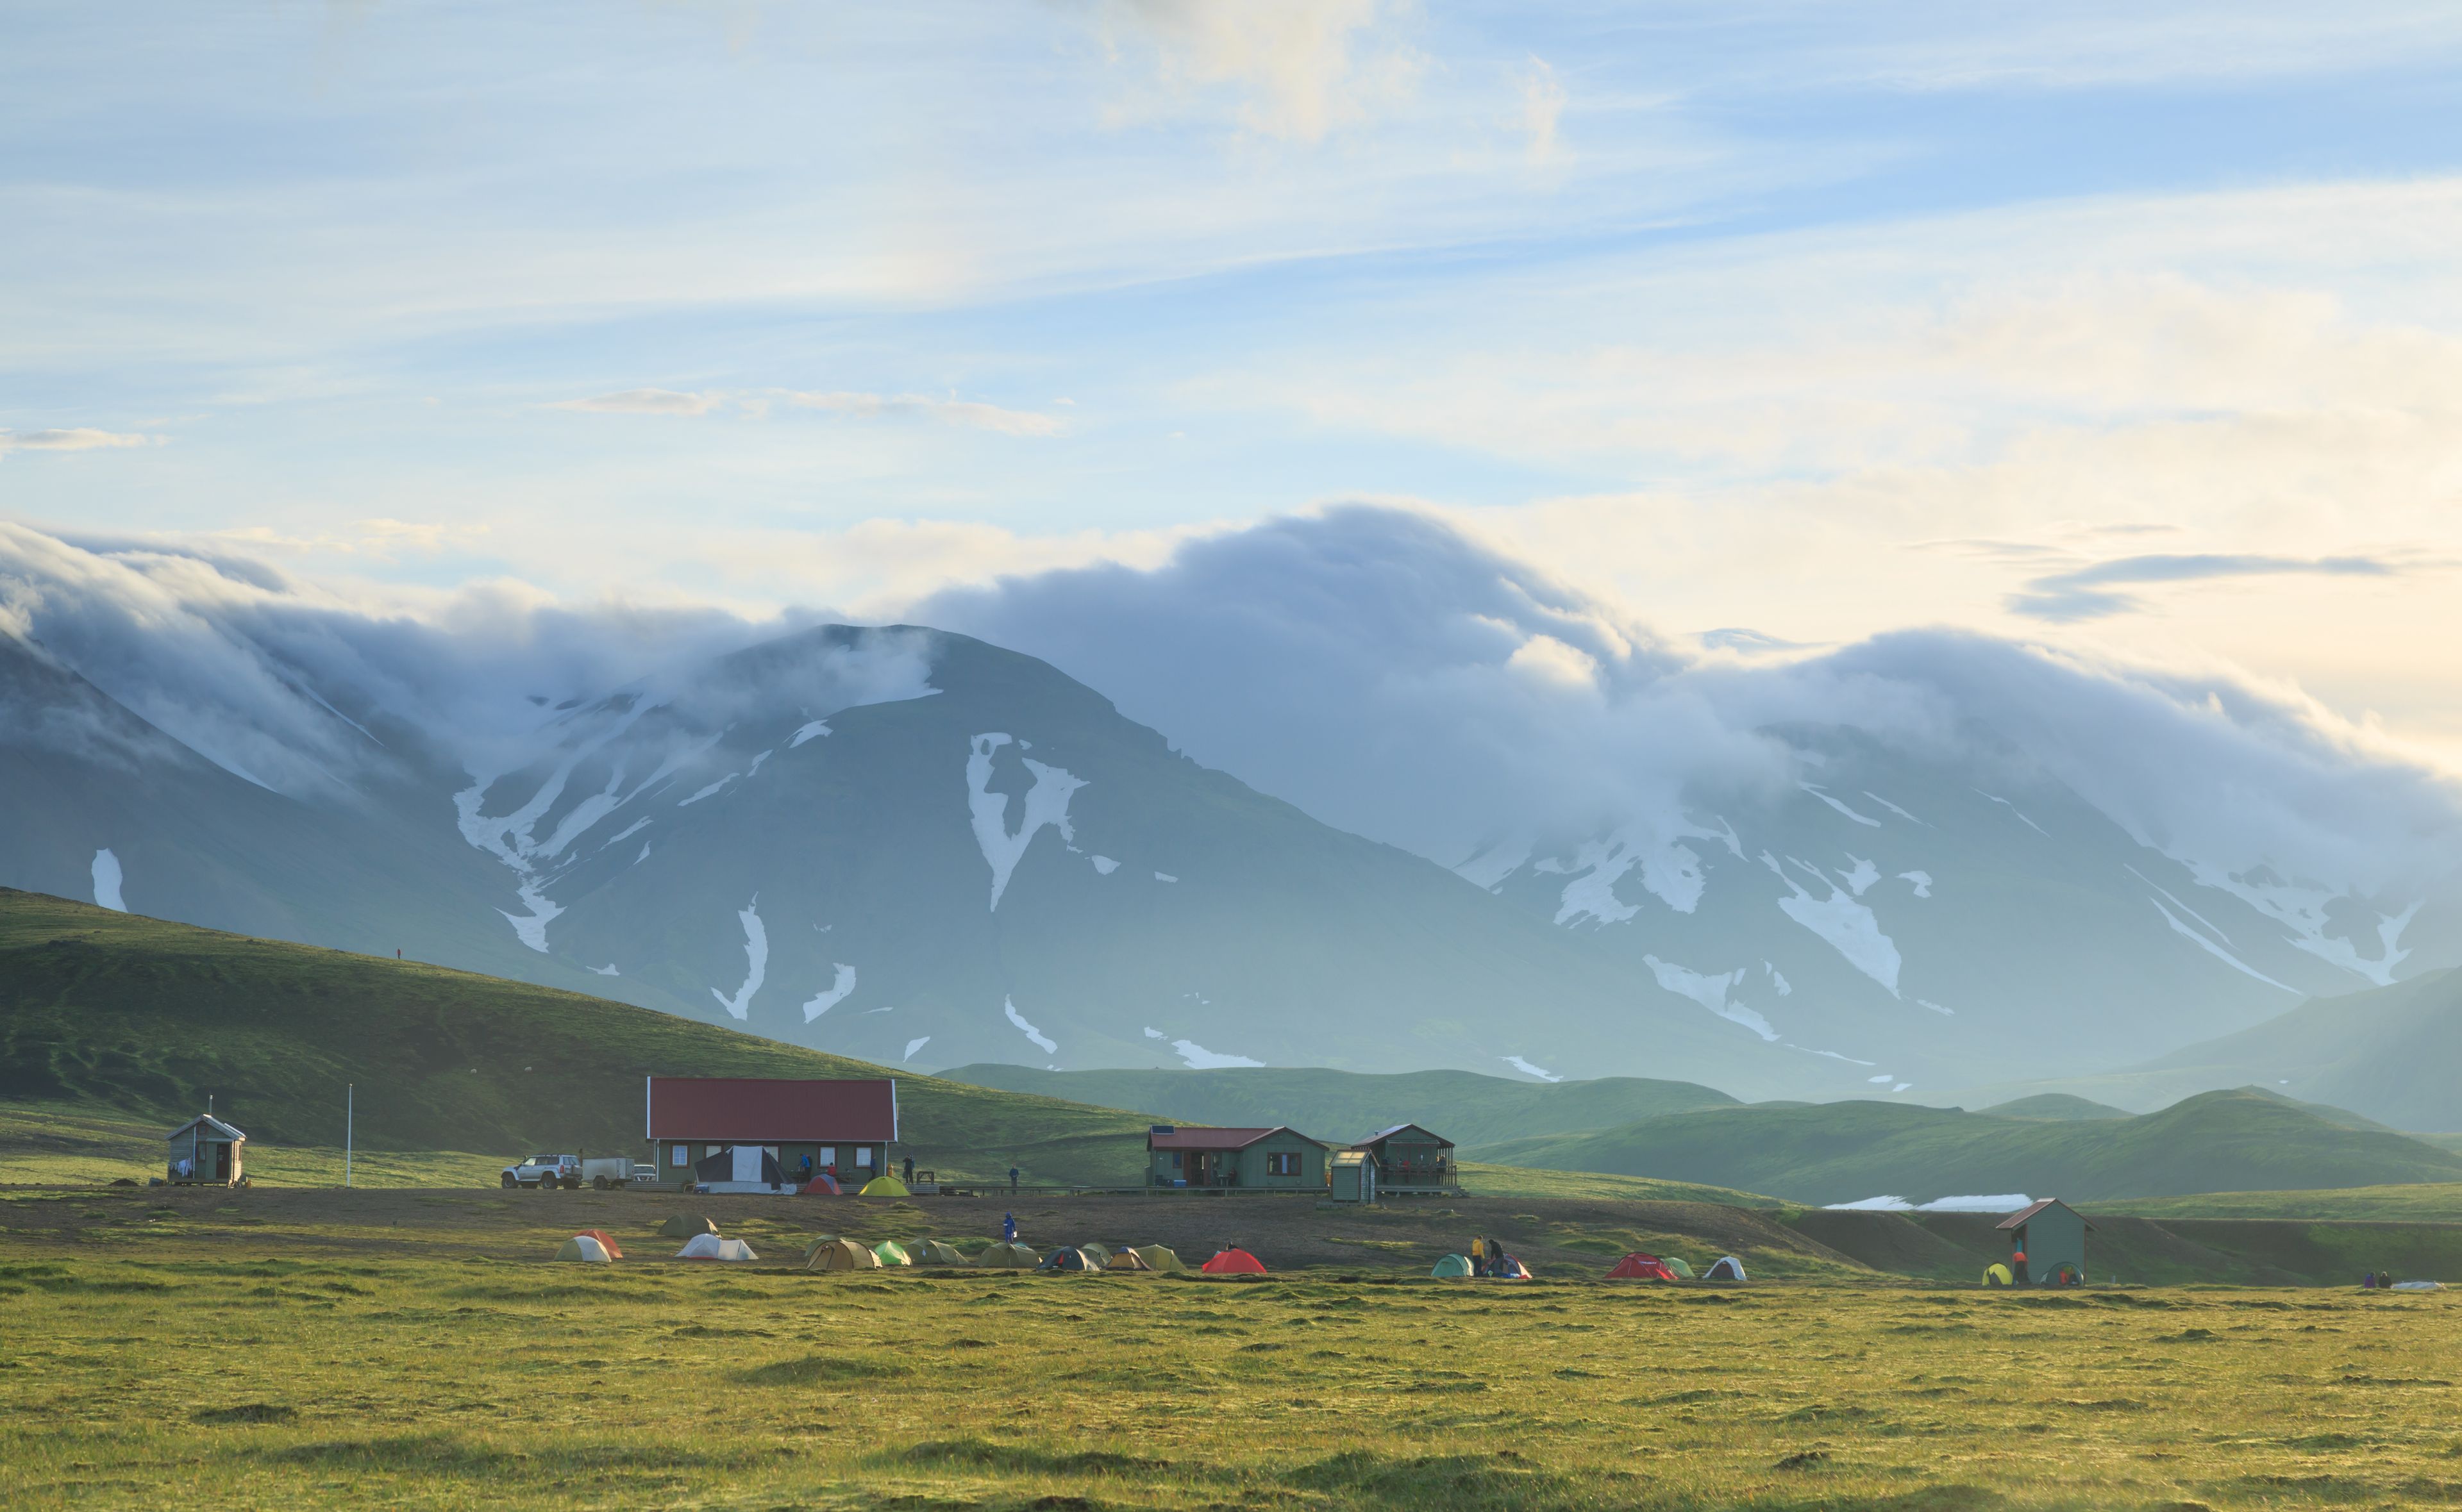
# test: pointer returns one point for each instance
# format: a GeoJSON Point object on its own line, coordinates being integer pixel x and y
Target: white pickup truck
{"type": "Point", "coordinates": [546, 1172]}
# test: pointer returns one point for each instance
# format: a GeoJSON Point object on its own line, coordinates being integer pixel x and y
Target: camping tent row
{"type": "Point", "coordinates": [845, 1254]}
{"type": "Point", "coordinates": [1638, 1266]}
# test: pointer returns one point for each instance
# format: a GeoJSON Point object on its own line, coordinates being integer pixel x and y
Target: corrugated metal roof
{"type": "Point", "coordinates": [211, 1124]}
{"type": "Point", "coordinates": [1220, 1138]}
{"type": "Point", "coordinates": [767, 1110]}
{"type": "Point", "coordinates": [1387, 1134]}
{"type": "Point", "coordinates": [2016, 1219]}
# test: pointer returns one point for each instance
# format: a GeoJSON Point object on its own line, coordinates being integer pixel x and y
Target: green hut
{"type": "Point", "coordinates": [1280, 1158]}
{"type": "Point", "coordinates": [2050, 1235]}
{"type": "Point", "coordinates": [205, 1152]}
{"type": "Point", "coordinates": [1354, 1177]}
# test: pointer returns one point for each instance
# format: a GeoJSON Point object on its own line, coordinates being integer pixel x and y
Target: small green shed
{"type": "Point", "coordinates": [2050, 1235]}
{"type": "Point", "coordinates": [1354, 1177]}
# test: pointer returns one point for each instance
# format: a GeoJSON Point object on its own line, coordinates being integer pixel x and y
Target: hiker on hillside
{"type": "Point", "coordinates": [1012, 1178]}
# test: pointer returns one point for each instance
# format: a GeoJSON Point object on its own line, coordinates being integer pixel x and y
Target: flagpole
{"type": "Point", "coordinates": [350, 1102]}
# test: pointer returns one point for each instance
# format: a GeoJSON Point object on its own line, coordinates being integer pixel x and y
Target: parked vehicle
{"type": "Point", "coordinates": [546, 1172]}
{"type": "Point", "coordinates": [607, 1172]}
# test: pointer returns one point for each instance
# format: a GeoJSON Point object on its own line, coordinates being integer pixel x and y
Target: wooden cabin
{"type": "Point", "coordinates": [1411, 1160]}
{"type": "Point", "coordinates": [1353, 1176]}
{"type": "Point", "coordinates": [1280, 1158]}
{"type": "Point", "coordinates": [204, 1151]}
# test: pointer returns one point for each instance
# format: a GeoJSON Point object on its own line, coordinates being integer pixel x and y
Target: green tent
{"type": "Point", "coordinates": [1099, 1254]}
{"type": "Point", "coordinates": [1158, 1257]}
{"type": "Point", "coordinates": [891, 1253]}
{"type": "Point", "coordinates": [818, 1240]}
{"type": "Point", "coordinates": [933, 1252]}
{"type": "Point", "coordinates": [1676, 1266]}
{"type": "Point", "coordinates": [1009, 1256]}
{"type": "Point", "coordinates": [684, 1225]}
{"type": "Point", "coordinates": [1452, 1267]}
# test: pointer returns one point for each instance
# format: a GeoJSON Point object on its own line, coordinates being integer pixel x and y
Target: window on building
{"type": "Point", "coordinates": [863, 1158]}
{"type": "Point", "coordinates": [679, 1154]}
{"type": "Point", "coordinates": [829, 1155]}
{"type": "Point", "coordinates": [1282, 1163]}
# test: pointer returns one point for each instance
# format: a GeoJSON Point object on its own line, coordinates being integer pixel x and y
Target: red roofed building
{"type": "Point", "coordinates": [1280, 1158]}
{"type": "Point", "coordinates": [805, 1128]}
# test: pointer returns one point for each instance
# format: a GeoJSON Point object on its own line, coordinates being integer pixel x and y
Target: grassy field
{"type": "Point", "coordinates": [2419, 1202]}
{"type": "Point", "coordinates": [400, 1350]}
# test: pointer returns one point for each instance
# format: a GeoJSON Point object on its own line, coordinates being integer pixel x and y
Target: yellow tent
{"type": "Point", "coordinates": [841, 1254]}
{"type": "Point", "coordinates": [1009, 1256]}
{"type": "Point", "coordinates": [1998, 1275]}
{"type": "Point", "coordinates": [1125, 1260]}
{"type": "Point", "coordinates": [1158, 1257]}
{"type": "Point", "coordinates": [884, 1186]}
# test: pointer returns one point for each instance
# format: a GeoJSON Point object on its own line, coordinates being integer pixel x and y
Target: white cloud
{"type": "Point", "coordinates": [966, 413]}
{"type": "Point", "coordinates": [1543, 106]}
{"type": "Point", "coordinates": [1294, 66]}
{"type": "Point", "coordinates": [645, 402]}
{"type": "Point", "coordinates": [80, 437]}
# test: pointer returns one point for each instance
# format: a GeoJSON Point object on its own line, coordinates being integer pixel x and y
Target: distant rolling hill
{"type": "Point", "coordinates": [1340, 1107]}
{"type": "Point", "coordinates": [109, 1010]}
{"type": "Point", "coordinates": [2057, 1107]}
{"type": "Point", "coordinates": [2225, 1141]}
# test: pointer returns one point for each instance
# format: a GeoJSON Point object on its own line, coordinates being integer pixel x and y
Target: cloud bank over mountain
{"type": "Point", "coordinates": [1379, 667]}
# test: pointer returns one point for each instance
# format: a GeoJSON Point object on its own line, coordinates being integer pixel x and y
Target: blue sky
{"type": "Point", "coordinates": [1818, 319]}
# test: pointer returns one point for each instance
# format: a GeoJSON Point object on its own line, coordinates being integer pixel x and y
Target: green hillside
{"type": "Point", "coordinates": [2230, 1141]}
{"type": "Point", "coordinates": [113, 1011]}
{"type": "Point", "coordinates": [1340, 1107]}
{"type": "Point", "coordinates": [2056, 1106]}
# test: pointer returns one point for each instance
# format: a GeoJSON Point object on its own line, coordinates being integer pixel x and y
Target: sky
{"type": "Point", "coordinates": [2131, 333]}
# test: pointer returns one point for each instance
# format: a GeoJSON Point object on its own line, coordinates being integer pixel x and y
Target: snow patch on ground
{"type": "Point", "coordinates": [531, 927]}
{"type": "Point", "coordinates": [1710, 992]}
{"type": "Point", "coordinates": [914, 1044]}
{"type": "Point", "coordinates": [1591, 893]}
{"type": "Point", "coordinates": [1846, 924]}
{"type": "Point", "coordinates": [1901, 1086]}
{"type": "Point", "coordinates": [1926, 1003]}
{"type": "Point", "coordinates": [2216, 951]}
{"type": "Point", "coordinates": [1836, 1056]}
{"type": "Point", "coordinates": [755, 769]}
{"type": "Point", "coordinates": [756, 960]}
{"type": "Point", "coordinates": [1863, 877]}
{"type": "Point", "coordinates": [1528, 1070]}
{"type": "Point", "coordinates": [816, 727]}
{"type": "Point", "coordinates": [1840, 807]}
{"type": "Point", "coordinates": [106, 882]}
{"type": "Point", "coordinates": [1047, 803]}
{"type": "Point", "coordinates": [2302, 907]}
{"type": "Point", "coordinates": [1200, 1058]}
{"type": "Point", "coordinates": [627, 832]}
{"type": "Point", "coordinates": [644, 855]}
{"type": "Point", "coordinates": [1154, 1034]}
{"type": "Point", "coordinates": [1105, 866]}
{"type": "Point", "coordinates": [1165, 876]}
{"type": "Point", "coordinates": [1921, 879]}
{"type": "Point", "coordinates": [2001, 1202]}
{"type": "Point", "coordinates": [2184, 908]}
{"type": "Point", "coordinates": [607, 970]}
{"type": "Point", "coordinates": [821, 1002]}
{"type": "Point", "coordinates": [710, 790]}
{"type": "Point", "coordinates": [1778, 980]}
{"type": "Point", "coordinates": [1671, 872]}
{"type": "Point", "coordinates": [1489, 868]}
{"type": "Point", "coordinates": [1883, 1077]}
{"type": "Point", "coordinates": [1041, 1041]}
{"type": "Point", "coordinates": [1894, 807]}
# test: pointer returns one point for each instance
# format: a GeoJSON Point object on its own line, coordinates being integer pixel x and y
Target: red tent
{"type": "Point", "coordinates": [823, 1185]}
{"type": "Point", "coordinates": [1234, 1262]}
{"type": "Point", "coordinates": [1638, 1266]}
{"type": "Point", "coordinates": [613, 1251]}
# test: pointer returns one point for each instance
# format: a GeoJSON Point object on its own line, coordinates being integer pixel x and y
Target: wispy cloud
{"type": "Point", "coordinates": [2093, 592]}
{"type": "Point", "coordinates": [948, 411]}
{"type": "Point", "coordinates": [646, 401]}
{"type": "Point", "coordinates": [80, 437]}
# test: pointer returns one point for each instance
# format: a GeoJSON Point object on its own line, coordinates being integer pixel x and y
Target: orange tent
{"type": "Point", "coordinates": [613, 1251]}
{"type": "Point", "coordinates": [1234, 1262]}
{"type": "Point", "coordinates": [1638, 1266]}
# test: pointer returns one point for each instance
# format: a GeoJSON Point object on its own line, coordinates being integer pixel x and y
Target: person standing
{"type": "Point", "coordinates": [1012, 1180]}
{"type": "Point", "coordinates": [1008, 1228]}
{"type": "Point", "coordinates": [910, 1170]}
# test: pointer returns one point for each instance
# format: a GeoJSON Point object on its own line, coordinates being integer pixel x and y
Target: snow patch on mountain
{"type": "Point", "coordinates": [106, 882]}
{"type": "Point", "coordinates": [1528, 1070]}
{"type": "Point", "coordinates": [627, 832]}
{"type": "Point", "coordinates": [1491, 866]}
{"type": "Point", "coordinates": [530, 928]}
{"type": "Point", "coordinates": [1835, 1055]}
{"type": "Point", "coordinates": [2303, 906]}
{"type": "Point", "coordinates": [756, 960]}
{"type": "Point", "coordinates": [585, 814]}
{"type": "Point", "coordinates": [807, 732]}
{"type": "Point", "coordinates": [1041, 1041]}
{"type": "Point", "coordinates": [1778, 978]}
{"type": "Point", "coordinates": [1105, 866]}
{"type": "Point", "coordinates": [2216, 951]}
{"type": "Point", "coordinates": [1921, 879]}
{"type": "Point", "coordinates": [1894, 807]}
{"type": "Point", "coordinates": [821, 1002]}
{"type": "Point", "coordinates": [1202, 1059]}
{"type": "Point", "coordinates": [914, 1044]}
{"type": "Point", "coordinates": [1840, 807]}
{"type": "Point", "coordinates": [1154, 1034]}
{"type": "Point", "coordinates": [1848, 926]}
{"type": "Point", "coordinates": [710, 791]}
{"type": "Point", "coordinates": [2019, 812]}
{"type": "Point", "coordinates": [1165, 876]}
{"type": "Point", "coordinates": [1863, 877]}
{"type": "Point", "coordinates": [1710, 992]}
{"type": "Point", "coordinates": [1047, 803]}
{"type": "Point", "coordinates": [607, 970]}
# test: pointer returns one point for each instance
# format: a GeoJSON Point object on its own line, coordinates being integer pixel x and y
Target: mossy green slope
{"type": "Point", "coordinates": [2232, 1141]}
{"type": "Point", "coordinates": [114, 1011]}
{"type": "Point", "coordinates": [1341, 1107]}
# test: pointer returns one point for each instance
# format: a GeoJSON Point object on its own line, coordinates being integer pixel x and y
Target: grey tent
{"type": "Point", "coordinates": [933, 1252]}
{"type": "Point", "coordinates": [1068, 1258]}
{"type": "Point", "coordinates": [684, 1225]}
{"type": "Point", "coordinates": [1727, 1267]}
